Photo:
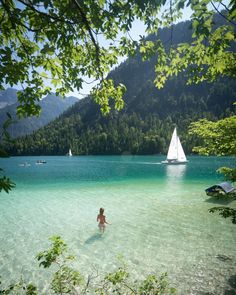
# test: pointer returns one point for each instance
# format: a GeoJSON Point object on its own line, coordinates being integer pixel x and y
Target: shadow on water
{"type": "Point", "coordinates": [231, 289]}
{"type": "Point", "coordinates": [230, 292]}
{"type": "Point", "coordinates": [226, 292]}
{"type": "Point", "coordinates": [206, 293]}
{"type": "Point", "coordinates": [220, 200]}
{"type": "Point", "coordinates": [95, 237]}
{"type": "Point", "coordinates": [232, 283]}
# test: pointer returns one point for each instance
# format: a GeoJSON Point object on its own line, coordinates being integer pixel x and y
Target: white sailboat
{"type": "Point", "coordinates": [70, 153]}
{"type": "Point", "coordinates": [176, 153]}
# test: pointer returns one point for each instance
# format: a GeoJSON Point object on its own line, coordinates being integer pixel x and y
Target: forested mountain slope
{"type": "Point", "coordinates": [52, 106]}
{"type": "Point", "coordinates": [145, 124]}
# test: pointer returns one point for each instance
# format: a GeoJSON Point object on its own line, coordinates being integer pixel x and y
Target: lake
{"type": "Point", "coordinates": [158, 214]}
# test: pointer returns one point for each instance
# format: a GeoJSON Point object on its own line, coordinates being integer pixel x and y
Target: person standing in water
{"type": "Point", "coordinates": [101, 218]}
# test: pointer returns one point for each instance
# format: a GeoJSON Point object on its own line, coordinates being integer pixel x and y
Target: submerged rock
{"type": "Point", "coordinates": [223, 257]}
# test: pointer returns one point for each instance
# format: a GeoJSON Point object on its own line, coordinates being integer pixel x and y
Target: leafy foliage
{"type": "Point", "coordinates": [197, 60]}
{"type": "Point", "coordinates": [229, 173]}
{"type": "Point", "coordinates": [105, 92]}
{"type": "Point", "coordinates": [225, 212]}
{"type": "Point", "coordinates": [19, 288]}
{"type": "Point", "coordinates": [156, 286]}
{"type": "Point", "coordinates": [6, 183]}
{"type": "Point", "coordinates": [218, 137]}
{"type": "Point", "coordinates": [118, 283]}
{"type": "Point", "coordinates": [50, 256]}
{"type": "Point", "coordinates": [65, 279]}
{"type": "Point", "coordinates": [58, 41]}
{"type": "Point", "coordinates": [61, 42]}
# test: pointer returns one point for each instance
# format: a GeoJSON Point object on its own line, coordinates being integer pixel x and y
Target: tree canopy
{"type": "Point", "coordinates": [218, 137]}
{"type": "Point", "coordinates": [61, 42]}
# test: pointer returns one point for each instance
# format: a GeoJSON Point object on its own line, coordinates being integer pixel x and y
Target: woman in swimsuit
{"type": "Point", "coordinates": [102, 220]}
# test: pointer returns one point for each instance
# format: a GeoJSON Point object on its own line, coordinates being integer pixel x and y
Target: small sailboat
{"type": "Point", "coordinates": [176, 153]}
{"type": "Point", "coordinates": [70, 153]}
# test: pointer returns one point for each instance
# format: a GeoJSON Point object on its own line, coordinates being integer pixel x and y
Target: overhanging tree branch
{"type": "Point", "coordinates": [48, 16]}
{"type": "Point", "coordinates": [221, 14]}
{"type": "Point", "coordinates": [88, 28]}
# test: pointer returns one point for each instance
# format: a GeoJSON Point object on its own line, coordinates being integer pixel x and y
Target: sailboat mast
{"type": "Point", "coordinates": [177, 144]}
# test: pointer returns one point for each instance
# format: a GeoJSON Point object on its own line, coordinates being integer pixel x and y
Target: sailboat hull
{"type": "Point", "coordinates": [174, 162]}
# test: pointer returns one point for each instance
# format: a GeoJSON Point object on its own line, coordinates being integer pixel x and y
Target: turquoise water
{"type": "Point", "coordinates": [158, 214]}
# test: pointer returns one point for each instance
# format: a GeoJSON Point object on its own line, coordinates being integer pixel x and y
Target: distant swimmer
{"type": "Point", "coordinates": [102, 220]}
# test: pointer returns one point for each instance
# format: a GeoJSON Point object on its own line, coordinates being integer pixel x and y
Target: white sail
{"type": "Point", "coordinates": [172, 151]}
{"type": "Point", "coordinates": [181, 154]}
{"type": "Point", "coordinates": [175, 153]}
{"type": "Point", "coordinates": [70, 153]}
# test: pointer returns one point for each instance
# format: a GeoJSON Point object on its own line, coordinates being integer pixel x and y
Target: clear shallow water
{"type": "Point", "coordinates": [158, 213]}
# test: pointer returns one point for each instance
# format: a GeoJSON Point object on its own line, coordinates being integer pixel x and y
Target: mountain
{"type": "Point", "coordinates": [147, 121]}
{"type": "Point", "coordinates": [52, 106]}
{"type": "Point", "coordinates": [7, 97]}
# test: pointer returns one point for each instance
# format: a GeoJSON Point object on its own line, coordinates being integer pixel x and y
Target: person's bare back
{"type": "Point", "coordinates": [102, 220]}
